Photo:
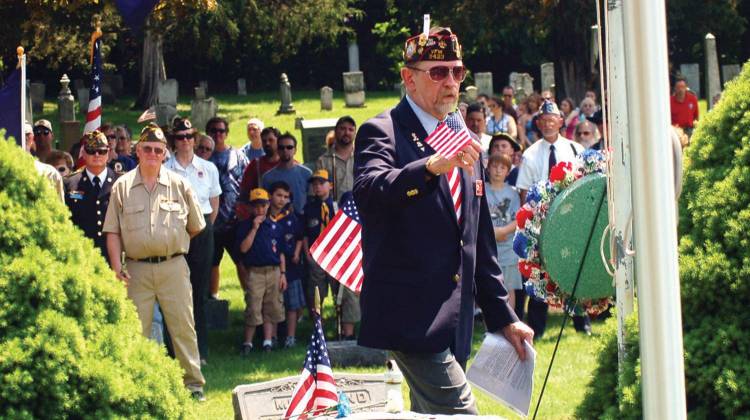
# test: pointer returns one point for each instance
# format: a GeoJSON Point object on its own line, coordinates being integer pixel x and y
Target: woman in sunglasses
{"type": "Point", "coordinates": [62, 161]}
{"type": "Point", "coordinates": [499, 121]}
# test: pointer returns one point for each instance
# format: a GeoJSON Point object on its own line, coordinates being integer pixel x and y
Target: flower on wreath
{"type": "Point", "coordinates": [560, 172]}
{"type": "Point", "coordinates": [523, 215]}
{"type": "Point", "coordinates": [521, 244]}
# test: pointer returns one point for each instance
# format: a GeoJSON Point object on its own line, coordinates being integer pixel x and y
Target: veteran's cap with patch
{"type": "Point", "coordinates": [258, 195]}
{"type": "Point", "coordinates": [152, 132]}
{"type": "Point", "coordinates": [181, 124]}
{"type": "Point", "coordinates": [440, 45]}
{"type": "Point", "coordinates": [95, 140]}
{"type": "Point", "coordinates": [549, 107]}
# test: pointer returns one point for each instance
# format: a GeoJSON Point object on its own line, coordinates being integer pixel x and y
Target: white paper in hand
{"type": "Point", "coordinates": [498, 371]}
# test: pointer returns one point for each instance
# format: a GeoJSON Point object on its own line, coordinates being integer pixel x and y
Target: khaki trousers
{"type": "Point", "coordinates": [169, 283]}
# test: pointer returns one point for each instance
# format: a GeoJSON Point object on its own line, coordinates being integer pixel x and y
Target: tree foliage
{"type": "Point", "coordinates": [70, 341]}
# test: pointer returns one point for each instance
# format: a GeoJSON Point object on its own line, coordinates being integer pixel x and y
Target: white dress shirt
{"type": "Point", "coordinates": [202, 176]}
{"type": "Point", "coordinates": [535, 164]}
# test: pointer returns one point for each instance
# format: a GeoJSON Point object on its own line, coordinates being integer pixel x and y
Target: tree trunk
{"type": "Point", "coordinates": [575, 78]}
{"type": "Point", "coordinates": [152, 70]}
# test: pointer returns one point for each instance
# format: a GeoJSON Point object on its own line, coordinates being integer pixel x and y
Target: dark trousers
{"type": "Point", "coordinates": [536, 315]}
{"type": "Point", "coordinates": [199, 259]}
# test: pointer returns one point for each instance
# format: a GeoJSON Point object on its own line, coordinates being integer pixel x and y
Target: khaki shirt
{"type": "Point", "coordinates": [54, 177]}
{"type": "Point", "coordinates": [156, 223]}
{"type": "Point", "coordinates": [340, 170]}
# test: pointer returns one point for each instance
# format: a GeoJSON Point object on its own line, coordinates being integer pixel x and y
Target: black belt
{"type": "Point", "coordinates": [157, 260]}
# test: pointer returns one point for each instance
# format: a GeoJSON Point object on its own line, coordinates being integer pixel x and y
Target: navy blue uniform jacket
{"type": "Point", "coordinates": [87, 209]}
{"type": "Point", "coordinates": [422, 272]}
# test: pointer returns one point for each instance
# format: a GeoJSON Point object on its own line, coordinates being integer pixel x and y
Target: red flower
{"type": "Point", "coordinates": [551, 287]}
{"type": "Point", "coordinates": [526, 268]}
{"type": "Point", "coordinates": [523, 215]}
{"type": "Point", "coordinates": [558, 172]}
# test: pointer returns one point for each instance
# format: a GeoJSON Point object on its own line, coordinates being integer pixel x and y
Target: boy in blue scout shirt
{"type": "Point", "coordinates": [282, 213]}
{"type": "Point", "coordinates": [318, 212]}
{"type": "Point", "coordinates": [260, 244]}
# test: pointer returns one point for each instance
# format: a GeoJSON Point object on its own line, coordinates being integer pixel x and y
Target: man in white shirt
{"type": "Point", "coordinates": [535, 167]}
{"type": "Point", "coordinates": [204, 178]}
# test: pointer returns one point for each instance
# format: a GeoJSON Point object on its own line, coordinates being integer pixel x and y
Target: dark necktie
{"type": "Point", "coordinates": [97, 185]}
{"type": "Point", "coordinates": [552, 158]}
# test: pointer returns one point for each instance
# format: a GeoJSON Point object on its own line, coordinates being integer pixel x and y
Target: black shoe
{"type": "Point", "coordinates": [198, 396]}
{"type": "Point", "coordinates": [267, 348]}
{"type": "Point", "coordinates": [246, 349]}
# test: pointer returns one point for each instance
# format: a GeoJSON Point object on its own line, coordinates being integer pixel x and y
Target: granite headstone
{"type": "Point", "coordinates": [730, 71]}
{"type": "Point", "coordinates": [483, 81]}
{"type": "Point", "coordinates": [354, 89]}
{"type": "Point", "coordinates": [166, 101]}
{"type": "Point", "coordinates": [37, 92]}
{"type": "Point", "coordinates": [241, 87]}
{"type": "Point", "coordinates": [713, 79]}
{"type": "Point", "coordinates": [285, 91]}
{"type": "Point", "coordinates": [326, 98]}
{"type": "Point", "coordinates": [692, 74]}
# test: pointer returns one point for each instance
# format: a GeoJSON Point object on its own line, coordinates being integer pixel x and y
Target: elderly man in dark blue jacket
{"type": "Point", "coordinates": [428, 248]}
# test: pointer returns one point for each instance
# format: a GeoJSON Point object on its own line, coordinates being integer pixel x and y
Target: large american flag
{"type": "Point", "coordinates": [449, 136]}
{"type": "Point", "coordinates": [338, 249]}
{"type": "Point", "coordinates": [316, 389]}
{"type": "Point", "coordinates": [94, 114]}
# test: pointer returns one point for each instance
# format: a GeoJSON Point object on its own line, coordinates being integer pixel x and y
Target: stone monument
{"type": "Point", "coordinates": [471, 94]}
{"type": "Point", "coordinates": [353, 52]}
{"type": "Point", "coordinates": [314, 137]}
{"type": "Point", "coordinates": [83, 99]}
{"type": "Point", "coordinates": [37, 91]}
{"type": "Point", "coordinates": [241, 87]}
{"type": "Point", "coordinates": [326, 98]}
{"type": "Point", "coordinates": [730, 71]}
{"type": "Point", "coordinates": [285, 89]}
{"type": "Point", "coordinates": [202, 109]}
{"type": "Point", "coordinates": [692, 74]}
{"type": "Point", "coordinates": [548, 77]}
{"type": "Point", "coordinates": [354, 89]}
{"type": "Point", "coordinates": [713, 80]}
{"type": "Point", "coordinates": [522, 83]}
{"type": "Point", "coordinates": [204, 85]}
{"type": "Point", "coordinates": [66, 110]}
{"type": "Point", "coordinates": [267, 400]}
{"type": "Point", "coordinates": [348, 353]}
{"type": "Point", "coordinates": [166, 101]}
{"type": "Point", "coordinates": [483, 82]}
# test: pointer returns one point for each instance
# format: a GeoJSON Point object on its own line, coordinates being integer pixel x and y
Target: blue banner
{"type": "Point", "coordinates": [10, 106]}
{"type": "Point", "coordinates": [134, 12]}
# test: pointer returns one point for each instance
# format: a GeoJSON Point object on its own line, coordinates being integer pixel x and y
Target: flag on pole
{"type": "Point", "coordinates": [135, 12]}
{"type": "Point", "coordinates": [338, 249]}
{"type": "Point", "coordinates": [10, 107]}
{"type": "Point", "coordinates": [94, 114]}
{"type": "Point", "coordinates": [449, 136]}
{"type": "Point", "coordinates": [316, 389]}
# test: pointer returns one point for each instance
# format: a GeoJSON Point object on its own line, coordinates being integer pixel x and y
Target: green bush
{"type": "Point", "coordinates": [714, 274]}
{"type": "Point", "coordinates": [70, 342]}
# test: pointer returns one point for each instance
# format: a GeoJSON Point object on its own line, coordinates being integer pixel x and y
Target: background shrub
{"type": "Point", "coordinates": [70, 342]}
{"type": "Point", "coordinates": [714, 275]}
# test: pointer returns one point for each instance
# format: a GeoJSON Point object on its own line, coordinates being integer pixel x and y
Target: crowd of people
{"type": "Point", "coordinates": [265, 209]}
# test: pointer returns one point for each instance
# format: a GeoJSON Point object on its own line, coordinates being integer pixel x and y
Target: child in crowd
{"type": "Point", "coordinates": [504, 201]}
{"type": "Point", "coordinates": [260, 244]}
{"type": "Point", "coordinates": [282, 213]}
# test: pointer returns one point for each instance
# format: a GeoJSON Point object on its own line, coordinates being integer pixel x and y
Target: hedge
{"type": "Point", "coordinates": [714, 261]}
{"type": "Point", "coordinates": [70, 341]}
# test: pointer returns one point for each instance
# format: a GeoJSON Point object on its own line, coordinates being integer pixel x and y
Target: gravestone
{"type": "Point", "coordinates": [713, 80]}
{"type": "Point", "coordinates": [483, 82]}
{"type": "Point", "coordinates": [353, 52]}
{"type": "Point", "coordinates": [241, 87]}
{"type": "Point", "coordinates": [548, 77]}
{"type": "Point", "coordinates": [354, 89]}
{"type": "Point", "coordinates": [166, 101]}
{"type": "Point", "coordinates": [68, 134]}
{"type": "Point", "coordinates": [66, 105]}
{"type": "Point", "coordinates": [285, 90]}
{"type": "Point", "coordinates": [36, 91]}
{"type": "Point", "coordinates": [83, 100]}
{"type": "Point", "coordinates": [348, 353]}
{"type": "Point", "coordinates": [202, 109]}
{"type": "Point", "coordinates": [522, 83]}
{"type": "Point", "coordinates": [692, 74]}
{"type": "Point", "coordinates": [471, 94]}
{"type": "Point", "coordinates": [204, 85]}
{"type": "Point", "coordinates": [314, 137]}
{"type": "Point", "coordinates": [326, 98]}
{"type": "Point", "coordinates": [78, 84]}
{"type": "Point", "coordinates": [269, 400]}
{"type": "Point", "coordinates": [730, 71]}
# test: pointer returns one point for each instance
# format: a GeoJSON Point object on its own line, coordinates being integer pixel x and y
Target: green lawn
{"type": "Point", "coordinates": [226, 369]}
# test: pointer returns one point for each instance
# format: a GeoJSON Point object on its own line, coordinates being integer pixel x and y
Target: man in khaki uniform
{"type": "Point", "coordinates": [152, 214]}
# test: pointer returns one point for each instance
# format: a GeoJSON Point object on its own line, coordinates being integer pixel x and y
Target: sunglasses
{"type": "Point", "coordinates": [100, 152]}
{"type": "Point", "coordinates": [204, 149]}
{"type": "Point", "coordinates": [440, 73]}
{"type": "Point", "coordinates": [182, 136]}
{"type": "Point", "coordinates": [122, 138]}
{"type": "Point", "coordinates": [41, 131]}
{"type": "Point", "coordinates": [62, 169]}
{"type": "Point", "coordinates": [158, 151]}
{"type": "Point", "coordinates": [288, 147]}
{"type": "Point", "coordinates": [217, 130]}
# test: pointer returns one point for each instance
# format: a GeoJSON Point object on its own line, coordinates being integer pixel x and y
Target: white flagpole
{"type": "Point", "coordinates": [654, 219]}
{"type": "Point", "coordinates": [22, 64]}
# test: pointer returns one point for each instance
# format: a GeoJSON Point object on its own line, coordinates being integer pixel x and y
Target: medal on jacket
{"type": "Point", "coordinates": [479, 188]}
{"type": "Point", "coordinates": [416, 141]}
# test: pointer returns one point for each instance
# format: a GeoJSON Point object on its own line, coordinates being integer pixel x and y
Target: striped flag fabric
{"type": "Point", "coordinates": [316, 389]}
{"type": "Point", "coordinates": [449, 136]}
{"type": "Point", "coordinates": [94, 114]}
{"type": "Point", "coordinates": [338, 249]}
